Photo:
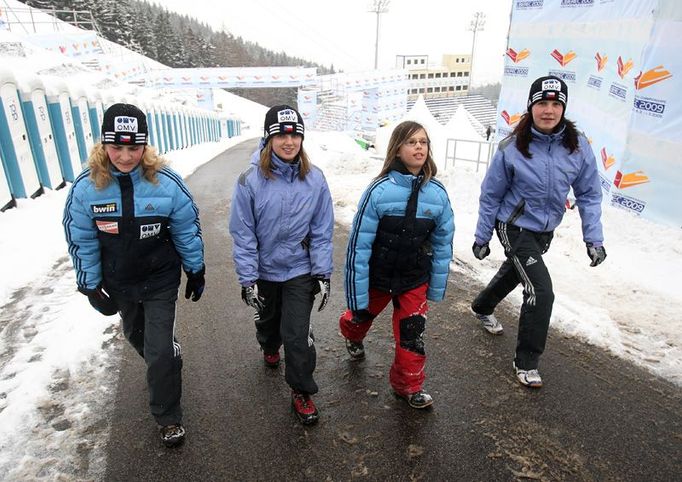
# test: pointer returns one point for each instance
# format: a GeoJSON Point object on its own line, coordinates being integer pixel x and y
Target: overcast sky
{"type": "Point", "coordinates": [343, 33]}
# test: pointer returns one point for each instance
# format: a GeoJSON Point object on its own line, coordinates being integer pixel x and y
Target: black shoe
{"type": "Point", "coordinates": [172, 435]}
{"type": "Point", "coordinates": [356, 349]}
{"type": "Point", "coordinates": [304, 408]}
{"type": "Point", "coordinates": [418, 399]}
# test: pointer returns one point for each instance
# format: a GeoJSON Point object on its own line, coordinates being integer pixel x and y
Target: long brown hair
{"type": "Point", "coordinates": [524, 135]}
{"type": "Point", "coordinates": [100, 165]}
{"type": "Point", "coordinates": [401, 133]}
{"type": "Point", "coordinates": [265, 162]}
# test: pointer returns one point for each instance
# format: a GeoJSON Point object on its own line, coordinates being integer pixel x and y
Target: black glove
{"type": "Point", "coordinates": [596, 253]}
{"type": "Point", "coordinates": [325, 290]}
{"type": "Point", "coordinates": [100, 300]}
{"type": "Point", "coordinates": [195, 284]}
{"type": "Point", "coordinates": [361, 316]}
{"type": "Point", "coordinates": [251, 297]}
{"type": "Point", "coordinates": [480, 250]}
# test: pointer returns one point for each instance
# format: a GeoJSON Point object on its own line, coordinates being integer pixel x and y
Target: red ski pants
{"type": "Point", "coordinates": [409, 320]}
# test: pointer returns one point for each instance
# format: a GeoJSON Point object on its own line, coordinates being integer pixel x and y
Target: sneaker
{"type": "Point", "coordinates": [418, 399]}
{"type": "Point", "coordinates": [304, 407]}
{"type": "Point", "coordinates": [172, 435]}
{"type": "Point", "coordinates": [271, 359]}
{"type": "Point", "coordinates": [528, 378]}
{"type": "Point", "coordinates": [489, 323]}
{"type": "Point", "coordinates": [356, 349]}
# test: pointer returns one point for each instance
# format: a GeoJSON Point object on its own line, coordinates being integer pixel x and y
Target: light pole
{"type": "Point", "coordinates": [477, 23]}
{"type": "Point", "coordinates": [378, 7]}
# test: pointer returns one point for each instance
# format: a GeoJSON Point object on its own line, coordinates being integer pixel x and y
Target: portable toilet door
{"type": "Point", "coordinates": [158, 122]}
{"type": "Point", "coordinates": [59, 108]}
{"type": "Point", "coordinates": [185, 130]}
{"type": "Point", "coordinates": [37, 118]}
{"type": "Point", "coordinates": [6, 199]}
{"type": "Point", "coordinates": [16, 148]}
{"type": "Point", "coordinates": [151, 125]}
{"type": "Point", "coordinates": [94, 109]}
{"type": "Point", "coordinates": [81, 123]}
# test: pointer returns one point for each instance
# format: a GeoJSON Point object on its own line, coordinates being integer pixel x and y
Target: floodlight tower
{"type": "Point", "coordinates": [378, 7]}
{"type": "Point", "coordinates": [477, 23]}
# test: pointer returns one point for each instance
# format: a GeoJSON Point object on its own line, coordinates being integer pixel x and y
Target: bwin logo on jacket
{"type": "Point", "coordinates": [104, 208]}
{"type": "Point", "coordinates": [150, 230]}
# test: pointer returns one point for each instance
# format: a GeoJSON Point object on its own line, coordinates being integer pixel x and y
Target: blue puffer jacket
{"type": "Point", "coordinates": [380, 255]}
{"type": "Point", "coordinates": [531, 193]}
{"type": "Point", "coordinates": [132, 235]}
{"type": "Point", "coordinates": [281, 227]}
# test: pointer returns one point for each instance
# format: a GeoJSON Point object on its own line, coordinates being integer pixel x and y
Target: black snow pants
{"type": "Point", "coordinates": [149, 326]}
{"type": "Point", "coordinates": [285, 320]}
{"type": "Point", "coordinates": [524, 264]}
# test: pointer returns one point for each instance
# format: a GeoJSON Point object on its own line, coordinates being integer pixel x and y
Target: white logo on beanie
{"type": "Point", "coordinates": [123, 123]}
{"type": "Point", "coordinates": [287, 115]}
{"type": "Point", "coordinates": [551, 84]}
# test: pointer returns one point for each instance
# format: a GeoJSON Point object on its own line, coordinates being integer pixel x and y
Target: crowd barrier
{"type": "Point", "coordinates": [47, 129]}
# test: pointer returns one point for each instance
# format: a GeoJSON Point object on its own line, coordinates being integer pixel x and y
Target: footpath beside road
{"type": "Point", "coordinates": [597, 417]}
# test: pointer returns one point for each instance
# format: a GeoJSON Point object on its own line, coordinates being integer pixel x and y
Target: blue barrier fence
{"type": "Point", "coordinates": [48, 129]}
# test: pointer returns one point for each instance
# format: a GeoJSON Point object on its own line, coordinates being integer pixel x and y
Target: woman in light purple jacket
{"type": "Point", "coordinates": [522, 198]}
{"type": "Point", "coordinates": [282, 223]}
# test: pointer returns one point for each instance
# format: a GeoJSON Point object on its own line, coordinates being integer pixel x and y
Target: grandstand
{"type": "Point", "coordinates": [444, 108]}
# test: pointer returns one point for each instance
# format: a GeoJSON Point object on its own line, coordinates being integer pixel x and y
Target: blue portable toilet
{"type": "Point", "coordinates": [175, 124]}
{"type": "Point", "coordinates": [61, 119]}
{"type": "Point", "coordinates": [158, 127]}
{"type": "Point", "coordinates": [81, 121]}
{"type": "Point", "coordinates": [95, 114]}
{"type": "Point", "coordinates": [37, 119]}
{"type": "Point", "coordinates": [17, 157]}
{"type": "Point", "coordinates": [185, 130]}
{"type": "Point", "coordinates": [148, 110]}
{"type": "Point", "coordinates": [6, 199]}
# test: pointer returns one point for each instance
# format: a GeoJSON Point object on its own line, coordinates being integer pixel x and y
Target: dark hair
{"type": "Point", "coordinates": [524, 135]}
{"type": "Point", "coordinates": [265, 163]}
{"type": "Point", "coordinates": [401, 133]}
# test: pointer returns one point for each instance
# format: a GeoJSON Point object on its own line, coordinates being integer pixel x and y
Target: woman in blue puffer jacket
{"type": "Point", "coordinates": [399, 250]}
{"type": "Point", "coordinates": [523, 198]}
{"type": "Point", "coordinates": [282, 222]}
{"type": "Point", "coordinates": [131, 225]}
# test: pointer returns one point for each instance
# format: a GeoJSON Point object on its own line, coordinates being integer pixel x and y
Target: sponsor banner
{"type": "Point", "coordinates": [624, 72]}
{"type": "Point", "coordinates": [226, 77]}
{"type": "Point", "coordinates": [657, 104]}
{"type": "Point", "coordinates": [76, 45]}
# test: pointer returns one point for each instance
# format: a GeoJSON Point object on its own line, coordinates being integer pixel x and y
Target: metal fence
{"type": "Point", "coordinates": [468, 151]}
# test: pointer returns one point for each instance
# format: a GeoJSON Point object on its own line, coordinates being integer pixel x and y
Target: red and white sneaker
{"type": "Point", "coordinates": [271, 359]}
{"type": "Point", "coordinates": [304, 407]}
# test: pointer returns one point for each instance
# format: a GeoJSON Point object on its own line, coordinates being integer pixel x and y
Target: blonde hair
{"type": "Point", "coordinates": [100, 165]}
{"type": "Point", "coordinates": [401, 133]}
{"type": "Point", "coordinates": [265, 162]}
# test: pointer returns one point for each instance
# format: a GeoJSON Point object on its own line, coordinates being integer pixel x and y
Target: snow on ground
{"type": "Point", "coordinates": [59, 357]}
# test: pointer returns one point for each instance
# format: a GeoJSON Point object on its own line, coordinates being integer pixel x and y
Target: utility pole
{"type": "Point", "coordinates": [477, 23]}
{"type": "Point", "coordinates": [378, 7]}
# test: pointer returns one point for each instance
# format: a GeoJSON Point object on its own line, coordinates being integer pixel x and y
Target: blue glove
{"type": "Point", "coordinates": [480, 250]}
{"type": "Point", "coordinates": [596, 253]}
{"type": "Point", "coordinates": [100, 300]}
{"type": "Point", "coordinates": [195, 284]}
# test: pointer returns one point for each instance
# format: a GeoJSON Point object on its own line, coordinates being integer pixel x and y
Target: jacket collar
{"type": "Point", "coordinates": [554, 136]}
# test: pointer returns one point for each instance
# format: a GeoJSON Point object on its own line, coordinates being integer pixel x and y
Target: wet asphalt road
{"type": "Point", "coordinates": [596, 418]}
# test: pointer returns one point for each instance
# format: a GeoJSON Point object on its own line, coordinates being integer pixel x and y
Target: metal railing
{"type": "Point", "coordinates": [26, 18]}
{"type": "Point", "coordinates": [465, 150]}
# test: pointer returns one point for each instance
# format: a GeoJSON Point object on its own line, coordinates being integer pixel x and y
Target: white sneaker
{"type": "Point", "coordinates": [529, 378]}
{"type": "Point", "coordinates": [489, 323]}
